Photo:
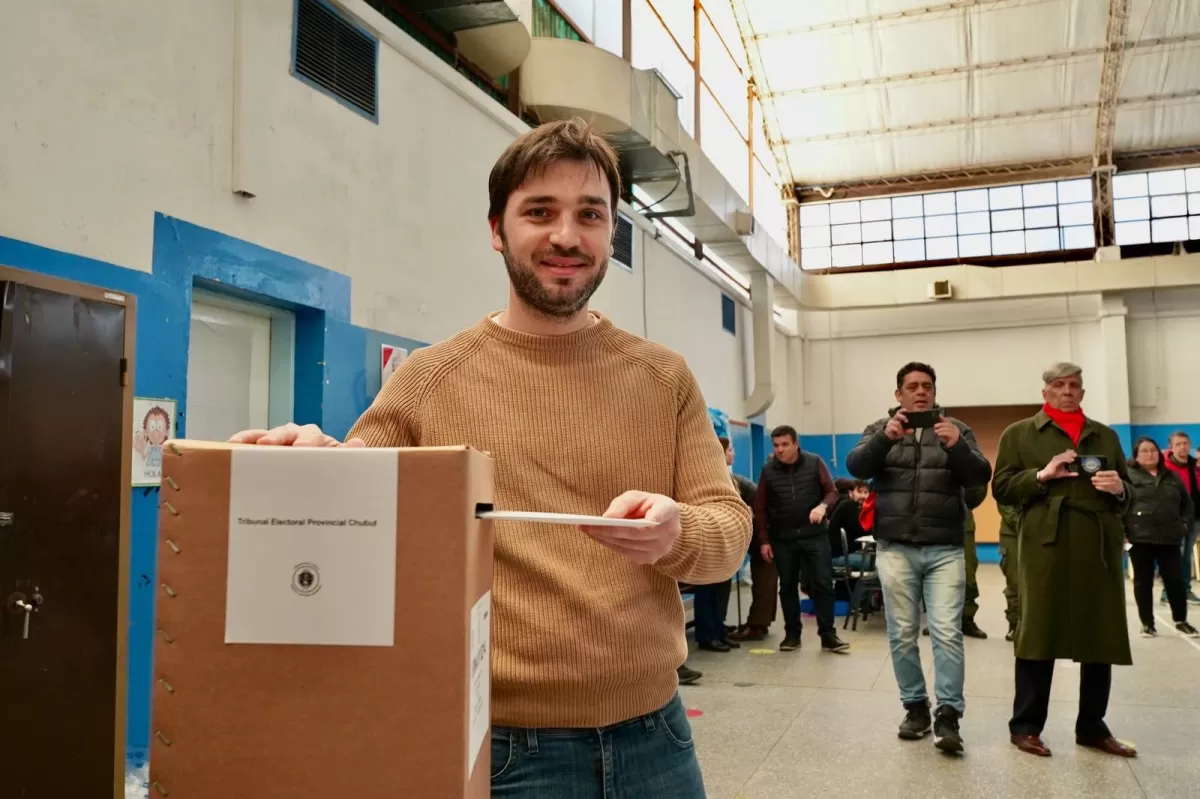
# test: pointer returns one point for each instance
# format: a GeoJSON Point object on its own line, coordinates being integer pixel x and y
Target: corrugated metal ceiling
{"type": "Point", "coordinates": [862, 89]}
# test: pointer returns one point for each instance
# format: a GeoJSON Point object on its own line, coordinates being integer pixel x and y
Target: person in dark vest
{"type": "Point", "coordinates": [795, 493]}
{"type": "Point", "coordinates": [1067, 474]}
{"type": "Point", "coordinates": [920, 475]}
{"type": "Point", "coordinates": [1182, 462]}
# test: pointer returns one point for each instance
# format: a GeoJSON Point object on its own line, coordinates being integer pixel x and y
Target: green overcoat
{"type": "Point", "coordinates": [1071, 544]}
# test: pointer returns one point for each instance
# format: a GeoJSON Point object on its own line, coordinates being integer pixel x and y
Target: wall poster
{"type": "Point", "coordinates": [153, 426]}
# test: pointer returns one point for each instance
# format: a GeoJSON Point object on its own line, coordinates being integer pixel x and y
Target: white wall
{"type": "Point", "coordinates": [129, 107]}
{"type": "Point", "coordinates": [1163, 346]}
{"type": "Point", "coordinates": [684, 313]}
{"type": "Point", "coordinates": [985, 353]}
{"type": "Point", "coordinates": [993, 353]}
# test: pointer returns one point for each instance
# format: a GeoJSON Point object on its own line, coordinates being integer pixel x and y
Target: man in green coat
{"type": "Point", "coordinates": [1010, 522]}
{"type": "Point", "coordinates": [1067, 474]}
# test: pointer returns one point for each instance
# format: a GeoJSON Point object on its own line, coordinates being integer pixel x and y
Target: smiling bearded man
{"type": "Point", "coordinates": [580, 417]}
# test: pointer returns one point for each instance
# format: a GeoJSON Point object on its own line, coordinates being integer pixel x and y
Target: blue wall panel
{"type": "Point", "coordinates": [743, 458]}
{"type": "Point", "coordinates": [337, 369]}
{"type": "Point", "coordinates": [1125, 433]}
{"type": "Point", "coordinates": [760, 448]}
{"type": "Point", "coordinates": [1162, 433]}
{"type": "Point", "coordinates": [832, 449]}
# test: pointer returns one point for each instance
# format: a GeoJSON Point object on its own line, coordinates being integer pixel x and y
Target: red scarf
{"type": "Point", "coordinates": [1071, 422]}
{"type": "Point", "coordinates": [866, 516]}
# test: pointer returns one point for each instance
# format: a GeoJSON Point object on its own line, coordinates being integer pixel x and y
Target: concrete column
{"type": "Point", "coordinates": [1113, 383]}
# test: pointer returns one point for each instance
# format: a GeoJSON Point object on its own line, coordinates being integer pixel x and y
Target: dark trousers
{"type": "Point", "coordinates": [764, 590]}
{"type": "Point", "coordinates": [970, 605]}
{"type": "Point", "coordinates": [811, 560]}
{"type": "Point", "coordinates": [1008, 565]}
{"type": "Point", "coordinates": [1170, 566]}
{"type": "Point", "coordinates": [1032, 701]}
{"type": "Point", "coordinates": [710, 603]}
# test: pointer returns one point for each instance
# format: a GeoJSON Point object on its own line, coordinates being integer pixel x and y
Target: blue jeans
{"type": "Point", "coordinates": [709, 603]}
{"type": "Point", "coordinates": [937, 575]}
{"type": "Point", "coordinates": [649, 756]}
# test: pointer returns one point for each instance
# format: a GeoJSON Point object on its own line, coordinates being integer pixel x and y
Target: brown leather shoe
{"type": "Point", "coordinates": [747, 633]}
{"type": "Point", "coordinates": [1031, 744]}
{"type": "Point", "coordinates": [1109, 745]}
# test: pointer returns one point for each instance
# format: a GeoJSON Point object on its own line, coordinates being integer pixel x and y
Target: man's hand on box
{"type": "Point", "coordinates": [292, 435]}
{"type": "Point", "coordinates": [644, 545]}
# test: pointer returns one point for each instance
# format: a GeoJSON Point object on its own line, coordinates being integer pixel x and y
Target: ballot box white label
{"type": "Point", "coordinates": [312, 547]}
{"type": "Point", "coordinates": [480, 676]}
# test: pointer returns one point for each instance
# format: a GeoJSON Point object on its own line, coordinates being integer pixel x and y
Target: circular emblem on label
{"type": "Point", "coordinates": [306, 579]}
{"type": "Point", "coordinates": [1090, 464]}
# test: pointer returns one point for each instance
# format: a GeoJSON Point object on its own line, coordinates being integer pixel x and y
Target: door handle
{"type": "Point", "coordinates": [28, 608]}
{"type": "Point", "coordinates": [17, 604]}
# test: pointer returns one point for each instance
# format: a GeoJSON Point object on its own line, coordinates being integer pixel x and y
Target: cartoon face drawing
{"type": "Point", "coordinates": [157, 426]}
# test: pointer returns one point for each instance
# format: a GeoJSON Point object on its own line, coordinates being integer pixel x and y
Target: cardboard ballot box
{"type": "Point", "coordinates": [323, 623]}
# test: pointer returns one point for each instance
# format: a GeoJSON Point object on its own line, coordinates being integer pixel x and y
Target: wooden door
{"type": "Point", "coordinates": [988, 423]}
{"type": "Point", "coordinates": [64, 492]}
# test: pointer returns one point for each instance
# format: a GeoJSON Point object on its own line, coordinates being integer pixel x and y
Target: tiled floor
{"type": "Point", "coordinates": [808, 723]}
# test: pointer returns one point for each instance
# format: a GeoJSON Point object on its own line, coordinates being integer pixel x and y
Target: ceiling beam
{"type": "Point", "coordinates": [980, 119]}
{"type": "Point", "coordinates": [871, 19]}
{"type": "Point", "coordinates": [1103, 166]}
{"type": "Point", "coordinates": [772, 131]}
{"type": "Point", "coordinates": [1012, 64]}
{"type": "Point", "coordinates": [995, 175]}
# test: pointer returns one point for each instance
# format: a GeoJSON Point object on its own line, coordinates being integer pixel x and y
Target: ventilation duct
{"type": "Point", "coordinates": [488, 32]}
{"type": "Point", "coordinates": [762, 301]}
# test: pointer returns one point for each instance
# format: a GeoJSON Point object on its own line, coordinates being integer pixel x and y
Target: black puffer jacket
{"type": "Point", "coordinates": [1161, 511]}
{"type": "Point", "coordinates": [920, 484]}
{"type": "Point", "coordinates": [748, 490]}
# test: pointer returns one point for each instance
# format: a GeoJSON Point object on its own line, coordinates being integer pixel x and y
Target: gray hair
{"type": "Point", "coordinates": [1059, 371]}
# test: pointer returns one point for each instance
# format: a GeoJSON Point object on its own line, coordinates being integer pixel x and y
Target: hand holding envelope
{"type": "Point", "coordinates": [643, 545]}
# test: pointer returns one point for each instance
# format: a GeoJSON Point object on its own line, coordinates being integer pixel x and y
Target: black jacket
{"type": "Point", "coordinates": [844, 516]}
{"type": "Point", "coordinates": [920, 485]}
{"type": "Point", "coordinates": [749, 491]}
{"type": "Point", "coordinates": [1161, 511]}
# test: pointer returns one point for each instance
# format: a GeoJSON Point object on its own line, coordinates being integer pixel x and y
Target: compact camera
{"type": "Point", "coordinates": [1088, 464]}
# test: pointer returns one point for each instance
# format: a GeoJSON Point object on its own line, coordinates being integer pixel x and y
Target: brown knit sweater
{"type": "Point", "coordinates": [582, 636]}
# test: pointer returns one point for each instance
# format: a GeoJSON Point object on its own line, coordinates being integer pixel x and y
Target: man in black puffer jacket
{"type": "Point", "coordinates": [919, 477]}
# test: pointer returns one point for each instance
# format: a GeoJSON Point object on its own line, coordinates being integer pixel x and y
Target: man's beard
{"type": "Point", "coordinates": [561, 304]}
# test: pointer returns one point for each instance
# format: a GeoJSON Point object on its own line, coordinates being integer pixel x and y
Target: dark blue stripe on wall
{"type": "Point", "coordinates": [337, 369]}
{"type": "Point", "coordinates": [833, 449]}
{"type": "Point", "coordinates": [987, 553]}
{"type": "Point", "coordinates": [1124, 433]}
{"type": "Point", "coordinates": [1161, 433]}
{"type": "Point", "coordinates": [739, 437]}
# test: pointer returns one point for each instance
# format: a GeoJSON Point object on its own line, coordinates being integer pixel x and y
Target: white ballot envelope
{"type": "Point", "coordinates": [561, 518]}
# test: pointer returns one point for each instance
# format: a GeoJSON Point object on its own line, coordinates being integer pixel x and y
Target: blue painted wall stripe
{"type": "Point", "coordinates": [337, 369]}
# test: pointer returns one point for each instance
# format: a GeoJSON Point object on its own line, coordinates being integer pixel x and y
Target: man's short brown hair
{"type": "Point", "coordinates": [567, 140]}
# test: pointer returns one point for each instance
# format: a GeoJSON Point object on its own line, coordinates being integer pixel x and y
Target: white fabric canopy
{"type": "Point", "coordinates": [860, 89]}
